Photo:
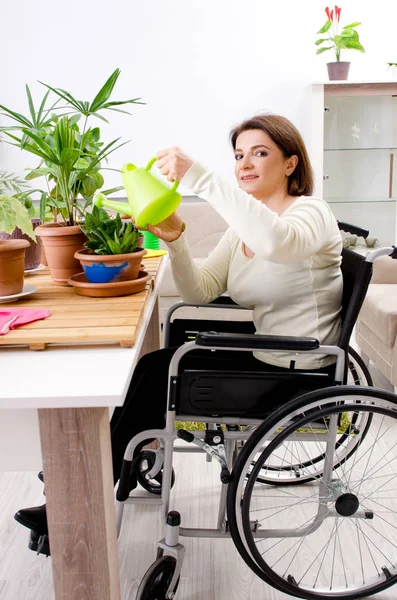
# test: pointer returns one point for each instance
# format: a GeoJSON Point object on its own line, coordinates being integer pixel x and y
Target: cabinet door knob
{"type": "Point", "coordinates": [326, 109]}
{"type": "Point", "coordinates": [325, 176]}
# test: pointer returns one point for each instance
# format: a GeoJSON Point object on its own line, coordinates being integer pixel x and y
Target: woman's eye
{"type": "Point", "coordinates": [238, 156]}
{"type": "Point", "coordinates": [261, 153]}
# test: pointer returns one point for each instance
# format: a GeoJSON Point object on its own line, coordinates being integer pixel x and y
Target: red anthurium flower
{"type": "Point", "coordinates": [337, 12]}
{"type": "Point", "coordinates": [330, 14]}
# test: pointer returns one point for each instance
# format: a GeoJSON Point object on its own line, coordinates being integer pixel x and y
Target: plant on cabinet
{"type": "Point", "coordinates": [337, 40]}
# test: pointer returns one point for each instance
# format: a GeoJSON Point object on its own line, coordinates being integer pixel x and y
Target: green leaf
{"type": "Point", "coordinates": [321, 41]}
{"type": "Point", "coordinates": [99, 180]}
{"type": "Point", "coordinates": [14, 214]}
{"type": "Point", "coordinates": [43, 206]}
{"type": "Point", "coordinates": [10, 183]}
{"type": "Point", "coordinates": [66, 96]}
{"type": "Point", "coordinates": [100, 117]}
{"type": "Point", "coordinates": [354, 45]}
{"type": "Point", "coordinates": [113, 190]}
{"type": "Point", "coordinates": [325, 27]}
{"type": "Point", "coordinates": [351, 25]}
{"type": "Point", "coordinates": [105, 92]}
{"type": "Point", "coordinates": [16, 116]}
{"type": "Point", "coordinates": [38, 173]}
{"type": "Point", "coordinates": [321, 50]}
{"type": "Point", "coordinates": [95, 134]}
{"type": "Point", "coordinates": [89, 186]}
{"type": "Point", "coordinates": [42, 106]}
{"type": "Point", "coordinates": [31, 106]}
{"type": "Point", "coordinates": [349, 33]}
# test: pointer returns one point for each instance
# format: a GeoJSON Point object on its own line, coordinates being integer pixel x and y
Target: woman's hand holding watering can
{"type": "Point", "coordinates": [173, 163]}
{"type": "Point", "coordinates": [168, 230]}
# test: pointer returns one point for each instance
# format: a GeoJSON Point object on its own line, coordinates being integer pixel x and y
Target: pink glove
{"type": "Point", "coordinates": [15, 317]}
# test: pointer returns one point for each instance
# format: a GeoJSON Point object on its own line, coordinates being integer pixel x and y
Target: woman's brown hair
{"type": "Point", "coordinates": [286, 136]}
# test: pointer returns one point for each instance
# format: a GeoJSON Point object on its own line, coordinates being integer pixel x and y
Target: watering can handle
{"type": "Point", "coordinates": [150, 165]}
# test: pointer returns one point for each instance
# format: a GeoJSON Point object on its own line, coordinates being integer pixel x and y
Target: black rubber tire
{"type": "Point", "coordinates": [157, 579]}
{"type": "Point", "coordinates": [238, 468]}
{"type": "Point", "coordinates": [154, 485]}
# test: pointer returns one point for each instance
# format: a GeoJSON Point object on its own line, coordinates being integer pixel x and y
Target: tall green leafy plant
{"type": "Point", "coordinates": [338, 39]}
{"type": "Point", "coordinates": [70, 157]}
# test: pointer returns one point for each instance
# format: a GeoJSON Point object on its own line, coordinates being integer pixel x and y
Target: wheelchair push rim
{"type": "Point", "coordinates": [307, 557]}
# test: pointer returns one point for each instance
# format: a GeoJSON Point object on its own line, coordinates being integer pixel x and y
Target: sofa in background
{"type": "Point", "coordinates": [376, 328]}
{"type": "Point", "coordinates": [204, 229]}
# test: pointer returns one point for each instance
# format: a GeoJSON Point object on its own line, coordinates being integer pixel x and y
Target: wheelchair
{"type": "Point", "coordinates": [308, 484]}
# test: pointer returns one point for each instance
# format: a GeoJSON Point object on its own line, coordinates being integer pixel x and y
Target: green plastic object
{"type": "Point", "coordinates": [150, 241]}
{"type": "Point", "coordinates": [150, 200]}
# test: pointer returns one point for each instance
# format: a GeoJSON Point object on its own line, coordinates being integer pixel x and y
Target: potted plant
{"type": "Point", "coordinates": [338, 40]}
{"type": "Point", "coordinates": [111, 252]}
{"type": "Point", "coordinates": [12, 251]}
{"type": "Point", "coordinates": [12, 184]}
{"type": "Point", "coordinates": [71, 159]}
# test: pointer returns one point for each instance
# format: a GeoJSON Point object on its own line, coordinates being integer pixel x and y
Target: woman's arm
{"type": "Point", "coordinates": [300, 233]}
{"type": "Point", "coordinates": [205, 283]}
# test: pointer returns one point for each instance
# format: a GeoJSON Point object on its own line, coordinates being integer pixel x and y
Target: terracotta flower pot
{"type": "Point", "coordinates": [60, 244]}
{"type": "Point", "coordinates": [12, 259]}
{"type": "Point", "coordinates": [33, 253]}
{"type": "Point", "coordinates": [338, 71]}
{"type": "Point", "coordinates": [110, 268]}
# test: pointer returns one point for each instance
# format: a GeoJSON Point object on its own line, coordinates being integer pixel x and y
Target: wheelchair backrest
{"type": "Point", "coordinates": [357, 273]}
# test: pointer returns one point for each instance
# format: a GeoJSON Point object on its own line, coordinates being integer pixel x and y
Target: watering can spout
{"type": "Point", "coordinates": [123, 207]}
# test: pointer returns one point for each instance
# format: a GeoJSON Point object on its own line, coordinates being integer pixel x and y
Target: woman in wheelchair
{"type": "Point", "coordinates": [280, 257]}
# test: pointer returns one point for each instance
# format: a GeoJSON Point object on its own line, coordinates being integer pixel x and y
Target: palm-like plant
{"type": "Point", "coordinates": [70, 159]}
{"type": "Point", "coordinates": [11, 183]}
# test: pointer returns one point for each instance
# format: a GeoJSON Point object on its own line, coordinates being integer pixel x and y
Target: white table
{"type": "Point", "coordinates": [66, 392]}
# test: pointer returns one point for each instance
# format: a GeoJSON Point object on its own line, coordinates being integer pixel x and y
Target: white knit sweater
{"type": "Point", "coordinates": [293, 283]}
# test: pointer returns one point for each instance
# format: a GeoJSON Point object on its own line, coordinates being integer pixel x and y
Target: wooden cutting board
{"type": "Point", "coordinates": [79, 319]}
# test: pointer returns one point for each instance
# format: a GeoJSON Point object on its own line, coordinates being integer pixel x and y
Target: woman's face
{"type": "Point", "coordinates": [261, 168]}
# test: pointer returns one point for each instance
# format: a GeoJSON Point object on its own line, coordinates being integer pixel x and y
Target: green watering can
{"type": "Point", "coordinates": [150, 200]}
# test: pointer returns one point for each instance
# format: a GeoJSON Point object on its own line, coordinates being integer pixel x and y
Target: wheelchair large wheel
{"type": "Point", "coordinates": [337, 536]}
{"type": "Point", "coordinates": [157, 579]}
{"type": "Point", "coordinates": [286, 473]}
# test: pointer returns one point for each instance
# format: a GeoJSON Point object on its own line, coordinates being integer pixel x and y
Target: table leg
{"type": "Point", "coordinates": [77, 466]}
{"type": "Point", "coordinates": [151, 341]}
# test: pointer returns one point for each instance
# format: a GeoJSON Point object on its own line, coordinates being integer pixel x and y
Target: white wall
{"type": "Point", "coordinates": [200, 65]}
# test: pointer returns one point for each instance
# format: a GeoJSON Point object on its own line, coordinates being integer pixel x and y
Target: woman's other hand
{"type": "Point", "coordinates": [168, 230]}
{"type": "Point", "coordinates": [173, 163]}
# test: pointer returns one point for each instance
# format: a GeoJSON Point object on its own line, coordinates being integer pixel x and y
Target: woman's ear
{"type": "Point", "coordinates": [290, 164]}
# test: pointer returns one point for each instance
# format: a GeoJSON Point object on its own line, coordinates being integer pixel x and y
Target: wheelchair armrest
{"type": "Point", "coordinates": [256, 342]}
{"type": "Point", "coordinates": [225, 301]}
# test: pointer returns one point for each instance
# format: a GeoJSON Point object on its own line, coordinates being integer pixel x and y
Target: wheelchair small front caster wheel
{"type": "Point", "coordinates": [157, 579]}
{"type": "Point", "coordinates": [146, 461]}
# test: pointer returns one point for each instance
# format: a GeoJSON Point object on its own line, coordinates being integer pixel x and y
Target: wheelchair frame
{"type": "Point", "coordinates": [224, 452]}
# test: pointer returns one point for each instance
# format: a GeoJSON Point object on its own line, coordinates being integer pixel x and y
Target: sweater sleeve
{"type": "Point", "coordinates": [204, 283]}
{"type": "Point", "coordinates": [302, 231]}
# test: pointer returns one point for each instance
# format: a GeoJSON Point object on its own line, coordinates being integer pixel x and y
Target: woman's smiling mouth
{"type": "Point", "coordinates": [249, 177]}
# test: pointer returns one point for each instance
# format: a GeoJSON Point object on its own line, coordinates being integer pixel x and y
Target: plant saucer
{"type": "Point", "coordinates": [35, 270]}
{"type": "Point", "coordinates": [26, 291]}
{"type": "Point", "coordinates": [104, 290]}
